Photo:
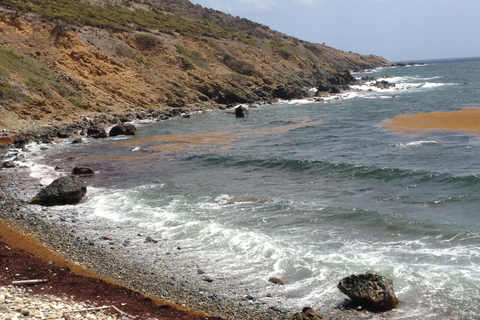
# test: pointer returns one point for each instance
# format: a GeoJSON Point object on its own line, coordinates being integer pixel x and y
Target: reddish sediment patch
{"type": "Point", "coordinates": [23, 257]}
{"type": "Point", "coordinates": [466, 121]}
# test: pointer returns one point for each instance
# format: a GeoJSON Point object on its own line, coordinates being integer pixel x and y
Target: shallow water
{"type": "Point", "coordinates": [307, 192]}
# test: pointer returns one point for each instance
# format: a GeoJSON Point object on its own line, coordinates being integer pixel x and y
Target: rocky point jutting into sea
{"type": "Point", "coordinates": [93, 63]}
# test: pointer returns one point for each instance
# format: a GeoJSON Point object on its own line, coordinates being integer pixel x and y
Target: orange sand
{"type": "Point", "coordinates": [465, 121]}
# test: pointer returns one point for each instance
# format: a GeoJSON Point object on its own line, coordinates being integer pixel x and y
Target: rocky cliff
{"type": "Point", "coordinates": [61, 59]}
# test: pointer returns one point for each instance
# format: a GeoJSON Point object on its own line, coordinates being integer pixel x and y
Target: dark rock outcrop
{"type": "Point", "coordinates": [371, 291]}
{"type": "Point", "coordinates": [123, 129]}
{"type": "Point", "coordinates": [20, 142]}
{"type": "Point", "coordinates": [307, 313]}
{"type": "Point", "coordinates": [64, 190]}
{"type": "Point", "coordinates": [383, 84]}
{"type": "Point", "coordinates": [241, 112]}
{"type": "Point", "coordinates": [96, 131]}
{"type": "Point", "coordinates": [63, 134]}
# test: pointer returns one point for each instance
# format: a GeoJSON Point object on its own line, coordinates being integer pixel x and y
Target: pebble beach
{"type": "Point", "coordinates": [82, 255]}
{"type": "Point", "coordinates": [18, 303]}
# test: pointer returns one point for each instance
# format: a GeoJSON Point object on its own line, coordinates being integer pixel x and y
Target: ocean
{"type": "Point", "coordinates": [308, 192]}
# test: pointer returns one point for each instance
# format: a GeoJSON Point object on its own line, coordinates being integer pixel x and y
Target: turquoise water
{"type": "Point", "coordinates": [311, 193]}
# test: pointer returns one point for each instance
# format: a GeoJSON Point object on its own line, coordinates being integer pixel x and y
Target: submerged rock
{"type": "Point", "coordinates": [371, 291]}
{"type": "Point", "coordinates": [83, 171]}
{"type": "Point", "coordinates": [64, 190]}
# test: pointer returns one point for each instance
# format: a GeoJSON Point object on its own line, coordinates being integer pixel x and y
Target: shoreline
{"type": "Point", "coordinates": [118, 267]}
{"type": "Point", "coordinates": [115, 265]}
{"type": "Point", "coordinates": [97, 262]}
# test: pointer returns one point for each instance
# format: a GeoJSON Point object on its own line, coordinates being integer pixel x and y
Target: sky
{"type": "Point", "coordinates": [398, 30]}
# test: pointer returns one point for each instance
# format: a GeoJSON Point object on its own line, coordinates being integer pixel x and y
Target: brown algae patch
{"type": "Point", "coordinates": [220, 139]}
{"type": "Point", "coordinates": [465, 121]}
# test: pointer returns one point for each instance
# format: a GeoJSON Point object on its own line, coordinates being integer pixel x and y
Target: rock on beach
{"type": "Point", "coordinates": [371, 291]}
{"type": "Point", "coordinates": [64, 190]}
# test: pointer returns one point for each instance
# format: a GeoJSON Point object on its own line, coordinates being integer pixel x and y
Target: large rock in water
{"type": "Point", "coordinates": [307, 314]}
{"type": "Point", "coordinates": [122, 129]}
{"type": "Point", "coordinates": [97, 131]}
{"type": "Point", "coordinates": [370, 291]}
{"type": "Point", "coordinates": [64, 190]}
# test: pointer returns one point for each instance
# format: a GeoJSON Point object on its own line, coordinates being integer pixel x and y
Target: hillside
{"type": "Point", "coordinates": [61, 59]}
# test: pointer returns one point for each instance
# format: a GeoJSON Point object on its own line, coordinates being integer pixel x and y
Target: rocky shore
{"type": "Point", "coordinates": [16, 188]}
{"type": "Point", "coordinates": [165, 284]}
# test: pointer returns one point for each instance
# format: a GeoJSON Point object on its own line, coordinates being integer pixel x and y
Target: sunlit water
{"type": "Point", "coordinates": [308, 192]}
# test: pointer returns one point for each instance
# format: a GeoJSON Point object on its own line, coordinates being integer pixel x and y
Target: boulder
{"type": "Point", "coordinates": [241, 112]}
{"type": "Point", "coordinates": [63, 134]}
{"type": "Point", "coordinates": [82, 171]}
{"type": "Point", "coordinates": [64, 190]}
{"type": "Point", "coordinates": [123, 129]}
{"type": "Point", "coordinates": [96, 131]}
{"type": "Point", "coordinates": [307, 314]}
{"type": "Point", "coordinates": [371, 291]}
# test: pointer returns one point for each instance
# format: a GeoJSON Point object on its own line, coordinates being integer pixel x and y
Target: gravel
{"type": "Point", "coordinates": [19, 303]}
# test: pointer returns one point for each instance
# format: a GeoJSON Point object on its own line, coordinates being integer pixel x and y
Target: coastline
{"type": "Point", "coordinates": [119, 267]}
{"type": "Point", "coordinates": [96, 262]}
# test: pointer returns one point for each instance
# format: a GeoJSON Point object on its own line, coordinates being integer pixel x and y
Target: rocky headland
{"type": "Point", "coordinates": [91, 58]}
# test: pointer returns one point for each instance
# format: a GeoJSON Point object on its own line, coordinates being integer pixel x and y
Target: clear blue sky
{"type": "Point", "coordinates": [398, 30]}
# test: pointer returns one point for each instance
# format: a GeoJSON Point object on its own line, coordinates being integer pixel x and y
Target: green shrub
{"type": "Point", "coordinates": [77, 102]}
{"type": "Point", "coordinates": [10, 93]}
{"type": "Point", "coordinates": [36, 76]}
{"type": "Point", "coordinates": [146, 41]}
{"type": "Point", "coordinates": [38, 85]}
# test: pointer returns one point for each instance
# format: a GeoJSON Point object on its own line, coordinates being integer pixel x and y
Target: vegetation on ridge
{"type": "Point", "coordinates": [157, 18]}
{"type": "Point", "coordinates": [63, 58]}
